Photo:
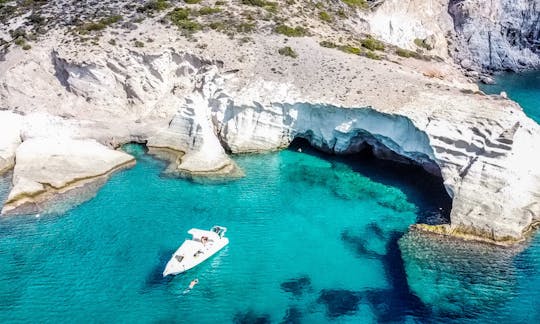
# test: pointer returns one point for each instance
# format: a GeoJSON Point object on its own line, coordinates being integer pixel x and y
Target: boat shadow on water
{"type": "Point", "coordinates": [155, 276]}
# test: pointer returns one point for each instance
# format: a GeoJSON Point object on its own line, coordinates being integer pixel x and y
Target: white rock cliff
{"type": "Point", "coordinates": [64, 108]}
{"type": "Point", "coordinates": [497, 35]}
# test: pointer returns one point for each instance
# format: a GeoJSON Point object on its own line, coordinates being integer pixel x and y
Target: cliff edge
{"type": "Point", "coordinates": [193, 94]}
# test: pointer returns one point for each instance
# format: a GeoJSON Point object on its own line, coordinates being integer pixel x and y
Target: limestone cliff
{"type": "Point", "coordinates": [194, 98]}
{"type": "Point", "coordinates": [497, 34]}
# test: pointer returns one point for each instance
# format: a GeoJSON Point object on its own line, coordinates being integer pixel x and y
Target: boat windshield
{"type": "Point", "coordinates": [219, 230]}
{"type": "Point", "coordinates": [179, 258]}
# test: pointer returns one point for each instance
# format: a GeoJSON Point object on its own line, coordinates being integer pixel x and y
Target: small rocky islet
{"type": "Point", "coordinates": [199, 82]}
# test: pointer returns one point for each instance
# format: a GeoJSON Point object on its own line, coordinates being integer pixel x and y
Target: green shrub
{"type": "Point", "coordinates": [256, 3]}
{"type": "Point", "coordinates": [362, 4]}
{"type": "Point", "coordinates": [372, 55]}
{"type": "Point", "coordinates": [155, 5]}
{"type": "Point", "coordinates": [192, 1]}
{"type": "Point", "coordinates": [26, 47]}
{"type": "Point", "coordinates": [220, 3]}
{"type": "Point", "coordinates": [245, 27]}
{"type": "Point", "coordinates": [288, 51]}
{"type": "Point", "coordinates": [208, 10]}
{"type": "Point", "coordinates": [325, 16]}
{"type": "Point", "coordinates": [101, 24]}
{"type": "Point", "coordinates": [139, 44]}
{"type": "Point", "coordinates": [188, 25]}
{"type": "Point", "coordinates": [20, 41]}
{"type": "Point", "coordinates": [372, 44]}
{"type": "Point", "coordinates": [217, 25]}
{"type": "Point", "coordinates": [405, 53]}
{"type": "Point", "coordinates": [350, 49]}
{"type": "Point", "coordinates": [290, 31]}
{"type": "Point", "coordinates": [178, 14]}
{"type": "Point", "coordinates": [268, 5]}
{"type": "Point", "coordinates": [180, 18]}
{"type": "Point", "coordinates": [328, 44]}
{"type": "Point", "coordinates": [422, 43]}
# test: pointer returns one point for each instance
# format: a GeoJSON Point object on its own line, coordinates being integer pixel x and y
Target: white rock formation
{"type": "Point", "coordinates": [483, 157]}
{"type": "Point", "coordinates": [10, 138]}
{"type": "Point", "coordinates": [46, 167]}
{"type": "Point", "coordinates": [195, 109]}
{"type": "Point", "coordinates": [400, 22]}
{"type": "Point", "coordinates": [497, 35]}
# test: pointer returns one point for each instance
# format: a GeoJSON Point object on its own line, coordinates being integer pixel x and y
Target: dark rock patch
{"type": "Point", "coordinates": [250, 317]}
{"type": "Point", "coordinates": [359, 245]}
{"type": "Point", "coordinates": [396, 303]}
{"type": "Point", "coordinates": [297, 286]}
{"type": "Point", "coordinates": [292, 316]}
{"type": "Point", "coordinates": [339, 302]}
{"type": "Point", "coordinates": [376, 230]}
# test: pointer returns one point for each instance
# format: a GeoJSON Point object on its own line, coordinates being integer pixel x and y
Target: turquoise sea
{"type": "Point", "coordinates": [523, 88]}
{"type": "Point", "coordinates": [313, 239]}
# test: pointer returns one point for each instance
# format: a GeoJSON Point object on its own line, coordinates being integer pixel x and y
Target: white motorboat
{"type": "Point", "coordinates": [200, 247]}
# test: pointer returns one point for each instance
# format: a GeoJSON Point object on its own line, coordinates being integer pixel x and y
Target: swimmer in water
{"type": "Point", "coordinates": [193, 283]}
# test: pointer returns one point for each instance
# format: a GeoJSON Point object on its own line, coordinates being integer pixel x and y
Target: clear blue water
{"type": "Point", "coordinates": [523, 88]}
{"type": "Point", "coordinates": [314, 239]}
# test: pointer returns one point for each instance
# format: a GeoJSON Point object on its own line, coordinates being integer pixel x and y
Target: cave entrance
{"type": "Point", "coordinates": [422, 188]}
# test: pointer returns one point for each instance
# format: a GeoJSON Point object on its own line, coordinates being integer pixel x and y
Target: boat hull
{"type": "Point", "coordinates": [190, 254]}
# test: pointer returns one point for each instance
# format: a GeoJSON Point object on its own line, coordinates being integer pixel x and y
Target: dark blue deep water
{"type": "Point", "coordinates": [313, 239]}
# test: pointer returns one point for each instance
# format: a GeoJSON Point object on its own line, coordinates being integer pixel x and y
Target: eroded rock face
{"type": "Point", "coordinates": [484, 158]}
{"type": "Point", "coordinates": [195, 110]}
{"type": "Point", "coordinates": [46, 167]}
{"type": "Point", "coordinates": [10, 138]}
{"type": "Point", "coordinates": [401, 22]}
{"type": "Point", "coordinates": [497, 35]}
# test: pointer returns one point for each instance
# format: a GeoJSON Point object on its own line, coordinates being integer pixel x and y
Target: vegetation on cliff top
{"type": "Point", "coordinates": [290, 18]}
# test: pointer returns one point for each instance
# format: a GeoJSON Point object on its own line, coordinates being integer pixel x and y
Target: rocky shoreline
{"type": "Point", "coordinates": [193, 100]}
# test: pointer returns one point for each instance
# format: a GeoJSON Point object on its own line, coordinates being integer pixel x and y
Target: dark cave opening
{"type": "Point", "coordinates": [422, 188]}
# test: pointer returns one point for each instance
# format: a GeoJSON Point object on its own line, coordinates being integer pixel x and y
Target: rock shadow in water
{"type": "Point", "coordinates": [293, 315]}
{"type": "Point", "coordinates": [359, 245]}
{"type": "Point", "coordinates": [250, 317]}
{"type": "Point", "coordinates": [398, 301]}
{"type": "Point", "coordinates": [297, 286]}
{"type": "Point", "coordinates": [339, 302]}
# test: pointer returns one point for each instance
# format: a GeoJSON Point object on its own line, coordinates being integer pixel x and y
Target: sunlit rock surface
{"type": "Point", "coordinates": [496, 35]}
{"type": "Point", "coordinates": [51, 166]}
{"type": "Point", "coordinates": [192, 110]}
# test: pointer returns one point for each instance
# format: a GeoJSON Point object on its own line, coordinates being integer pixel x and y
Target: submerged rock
{"type": "Point", "coordinates": [293, 315]}
{"type": "Point", "coordinates": [454, 279]}
{"type": "Point", "coordinates": [198, 110]}
{"type": "Point", "coordinates": [339, 302]}
{"type": "Point", "coordinates": [297, 286]}
{"type": "Point", "coordinates": [250, 317]}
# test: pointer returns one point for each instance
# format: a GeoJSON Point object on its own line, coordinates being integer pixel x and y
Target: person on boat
{"type": "Point", "coordinates": [204, 239]}
{"type": "Point", "coordinates": [193, 283]}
